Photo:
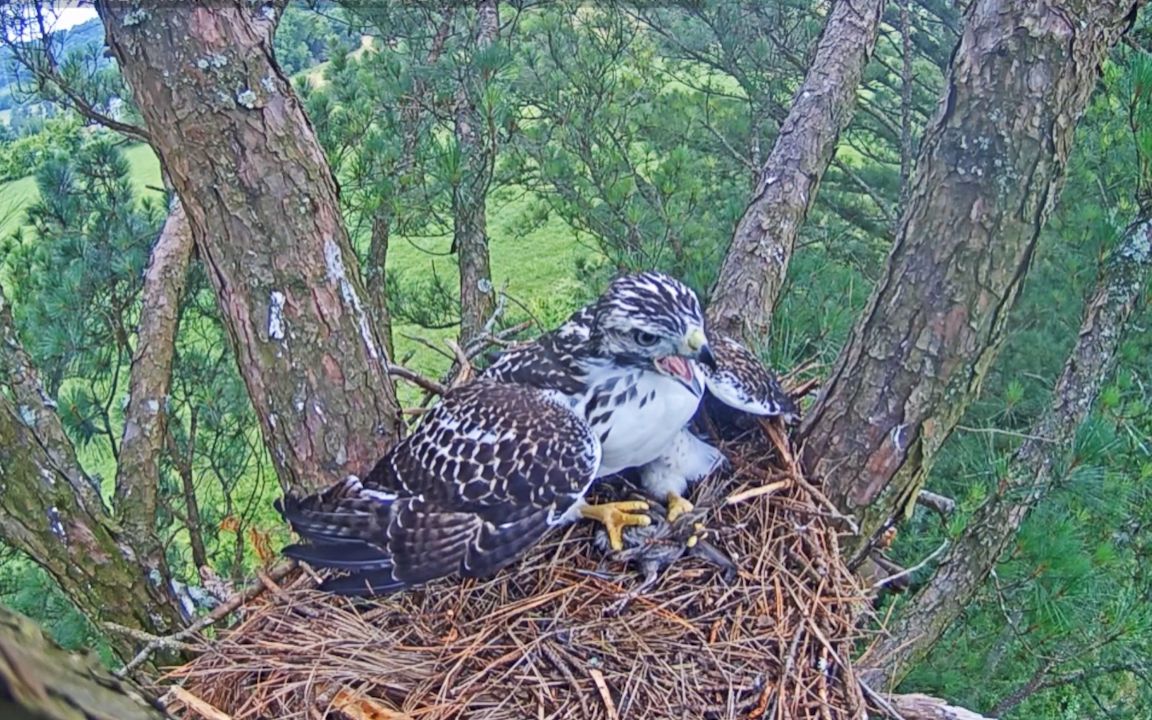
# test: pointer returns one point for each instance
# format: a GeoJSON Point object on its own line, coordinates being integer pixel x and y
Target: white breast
{"type": "Point", "coordinates": [644, 423]}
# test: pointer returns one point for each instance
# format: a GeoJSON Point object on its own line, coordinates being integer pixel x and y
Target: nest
{"type": "Point", "coordinates": [562, 634]}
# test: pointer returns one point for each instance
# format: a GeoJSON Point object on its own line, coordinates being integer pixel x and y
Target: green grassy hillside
{"type": "Point", "coordinates": [536, 267]}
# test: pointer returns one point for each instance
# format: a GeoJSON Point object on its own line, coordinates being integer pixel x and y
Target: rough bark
{"type": "Point", "coordinates": [756, 264]}
{"type": "Point", "coordinates": [149, 379]}
{"type": "Point", "coordinates": [989, 170]}
{"type": "Point", "coordinates": [262, 205]}
{"type": "Point", "coordinates": [1030, 475]}
{"type": "Point", "coordinates": [470, 192]}
{"type": "Point", "coordinates": [376, 276]}
{"type": "Point", "coordinates": [51, 510]}
{"type": "Point", "coordinates": [40, 681]}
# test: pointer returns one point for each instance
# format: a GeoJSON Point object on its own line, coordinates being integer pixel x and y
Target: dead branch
{"type": "Point", "coordinates": [154, 643]}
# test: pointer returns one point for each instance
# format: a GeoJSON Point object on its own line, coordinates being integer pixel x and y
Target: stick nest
{"type": "Point", "coordinates": [557, 635]}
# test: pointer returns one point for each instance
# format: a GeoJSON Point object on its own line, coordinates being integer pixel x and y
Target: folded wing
{"type": "Point", "coordinates": [742, 382]}
{"type": "Point", "coordinates": [480, 480]}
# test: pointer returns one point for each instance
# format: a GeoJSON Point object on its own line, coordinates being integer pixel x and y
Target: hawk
{"type": "Point", "coordinates": [641, 415]}
{"type": "Point", "coordinates": [504, 458]}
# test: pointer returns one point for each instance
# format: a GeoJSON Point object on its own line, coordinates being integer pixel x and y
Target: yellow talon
{"type": "Point", "coordinates": [677, 506]}
{"type": "Point", "coordinates": [693, 540]}
{"type": "Point", "coordinates": [616, 516]}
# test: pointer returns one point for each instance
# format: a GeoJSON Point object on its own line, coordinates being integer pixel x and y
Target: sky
{"type": "Point", "coordinates": [67, 17]}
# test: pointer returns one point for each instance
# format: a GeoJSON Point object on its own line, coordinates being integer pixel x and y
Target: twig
{"type": "Point", "coordinates": [1006, 433]}
{"type": "Point", "coordinates": [482, 342]}
{"type": "Point", "coordinates": [908, 571]}
{"type": "Point", "coordinates": [197, 705]}
{"type": "Point", "coordinates": [416, 378]}
{"type": "Point", "coordinates": [757, 492]}
{"type": "Point", "coordinates": [428, 344]}
{"type": "Point", "coordinates": [944, 506]}
{"type": "Point", "coordinates": [464, 371]}
{"type": "Point", "coordinates": [881, 701]}
{"type": "Point", "coordinates": [161, 642]}
{"type": "Point", "coordinates": [602, 687]}
{"type": "Point", "coordinates": [155, 643]}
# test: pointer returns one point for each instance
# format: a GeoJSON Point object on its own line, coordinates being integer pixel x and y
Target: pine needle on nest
{"type": "Point", "coordinates": [549, 638]}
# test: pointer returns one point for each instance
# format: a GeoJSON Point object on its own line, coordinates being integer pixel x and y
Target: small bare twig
{"type": "Point", "coordinates": [756, 492]}
{"type": "Point", "coordinates": [433, 386]}
{"type": "Point", "coordinates": [197, 705]}
{"type": "Point", "coordinates": [908, 571]}
{"type": "Point", "coordinates": [175, 640]}
{"type": "Point", "coordinates": [943, 506]}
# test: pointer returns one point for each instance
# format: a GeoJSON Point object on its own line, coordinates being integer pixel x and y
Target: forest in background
{"type": "Point", "coordinates": [577, 141]}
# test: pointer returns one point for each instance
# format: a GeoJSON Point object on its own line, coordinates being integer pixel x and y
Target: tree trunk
{"type": "Point", "coordinates": [51, 510]}
{"type": "Point", "coordinates": [1029, 477]}
{"type": "Point", "coordinates": [988, 174]}
{"type": "Point", "coordinates": [376, 276]}
{"type": "Point", "coordinates": [146, 417]}
{"type": "Point", "coordinates": [756, 265]}
{"type": "Point", "coordinates": [412, 116]}
{"type": "Point", "coordinates": [40, 681]}
{"type": "Point", "coordinates": [262, 204]}
{"type": "Point", "coordinates": [470, 192]}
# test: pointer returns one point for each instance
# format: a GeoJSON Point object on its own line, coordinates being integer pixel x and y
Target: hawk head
{"type": "Point", "coordinates": [651, 320]}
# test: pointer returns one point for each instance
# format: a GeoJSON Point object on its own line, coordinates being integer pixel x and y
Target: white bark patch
{"type": "Point", "coordinates": [1139, 246]}
{"type": "Point", "coordinates": [900, 437]}
{"type": "Point", "coordinates": [27, 415]}
{"type": "Point", "coordinates": [55, 525]}
{"type": "Point", "coordinates": [246, 98]}
{"type": "Point", "coordinates": [276, 315]}
{"type": "Point", "coordinates": [135, 17]}
{"type": "Point", "coordinates": [337, 274]}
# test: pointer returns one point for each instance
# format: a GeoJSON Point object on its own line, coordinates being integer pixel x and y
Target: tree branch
{"type": "Point", "coordinates": [756, 264]}
{"type": "Point", "coordinates": [39, 680]}
{"type": "Point", "coordinates": [52, 510]}
{"type": "Point", "coordinates": [149, 380]}
{"type": "Point", "coordinates": [1030, 475]}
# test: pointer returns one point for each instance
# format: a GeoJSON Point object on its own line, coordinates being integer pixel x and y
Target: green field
{"type": "Point", "coordinates": [18, 194]}
{"type": "Point", "coordinates": [536, 268]}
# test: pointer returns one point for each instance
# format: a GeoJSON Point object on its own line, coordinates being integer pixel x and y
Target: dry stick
{"type": "Point", "coordinates": [464, 369]}
{"type": "Point", "coordinates": [197, 705]}
{"type": "Point", "coordinates": [908, 571]}
{"type": "Point", "coordinates": [944, 506]}
{"type": "Point", "coordinates": [773, 432]}
{"type": "Point", "coordinates": [253, 590]}
{"type": "Point", "coordinates": [602, 687]}
{"type": "Point", "coordinates": [757, 492]}
{"type": "Point", "coordinates": [417, 379]}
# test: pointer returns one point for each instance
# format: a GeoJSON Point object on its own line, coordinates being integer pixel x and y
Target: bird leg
{"type": "Point", "coordinates": [616, 516]}
{"type": "Point", "coordinates": [677, 505]}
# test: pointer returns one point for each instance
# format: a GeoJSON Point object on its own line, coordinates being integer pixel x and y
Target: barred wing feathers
{"type": "Point", "coordinates": [479, 481]}
{"type": "Point", "coordinates": [741, 381]}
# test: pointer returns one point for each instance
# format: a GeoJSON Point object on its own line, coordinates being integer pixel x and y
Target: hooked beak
{"type": "Point", "coordinates": [697, 344]}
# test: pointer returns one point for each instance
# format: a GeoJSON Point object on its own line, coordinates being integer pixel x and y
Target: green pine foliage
{"type": "Point", "coordinates": [628, 137]}
{"type": "Point", "coordinates": [1068, 608]}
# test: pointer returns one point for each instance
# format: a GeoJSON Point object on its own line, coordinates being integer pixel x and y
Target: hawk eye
{"type": "Point", "coordinates": [646, 339]}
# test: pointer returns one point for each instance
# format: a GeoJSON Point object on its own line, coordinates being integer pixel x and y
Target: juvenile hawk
{"type": "Point", "coordinates": [502, 459]}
